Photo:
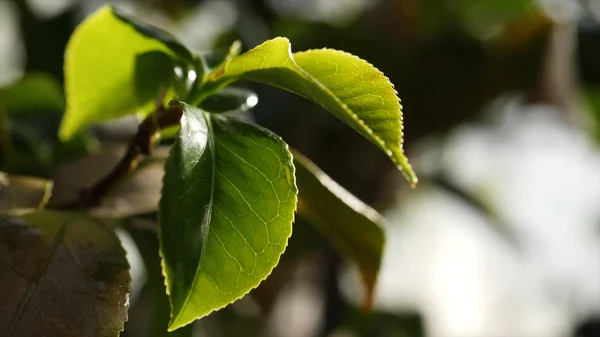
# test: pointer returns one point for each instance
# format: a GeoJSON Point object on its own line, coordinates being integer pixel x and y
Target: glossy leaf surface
{"type": "Point", "coordinates": [353, 228]}
{"type": "Point", "coordinates": [230, 100]}
{"type": "Point", "coordinates": [348, 87]}
{"type": "Point", "coordinates": [105, 59]}
{"type": "Point", "coordinates": [61, 274]}
{"type": "Point", "coordinates": [226, 212]}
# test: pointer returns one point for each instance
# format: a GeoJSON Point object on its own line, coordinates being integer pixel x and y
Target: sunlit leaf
{"type": "Point", "coordinates": [353, 228]}
{"type": "Point", "coordinates": [105, 60]}
{"type": "Point", "coordinates": [348, 87]}
{"type": "Point", "coordinates": [226, 212]}
{"type": "Point", "coordinates": [18, 192]}
{"type": "Point", "coordinates": [61, 274]}
{"type": "Point", "coordinates": [218, 58]}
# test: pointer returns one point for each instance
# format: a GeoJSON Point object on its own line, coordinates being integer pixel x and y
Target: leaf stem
{"type": "Point", "coordinates": [141, 144]}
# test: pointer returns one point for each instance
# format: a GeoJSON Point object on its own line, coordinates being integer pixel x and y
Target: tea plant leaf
{"type": "Point", "coordinates": [105, 60]}
{"type": "Point", "coordinates": [348, 87]}
{"type": "Point", "coordinates": [226, 212]}
{"type": "Point", "coordinates": [353, 228]}
{"type": "Point", "coordinates": [61, 274]}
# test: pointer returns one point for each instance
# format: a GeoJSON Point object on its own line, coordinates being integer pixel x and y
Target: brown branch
{"type": "Point", "coordinates": [140, 145]}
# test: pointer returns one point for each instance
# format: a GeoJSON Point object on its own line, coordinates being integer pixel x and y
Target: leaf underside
{"type": "Point", "coordinates": [353, 228]}
{"type": "Point", "coordinates": [226, 212]}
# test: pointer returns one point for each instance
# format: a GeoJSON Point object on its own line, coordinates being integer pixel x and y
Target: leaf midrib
{"type": "Point", "coordinates": [39, 272]}
{"type": "Point", "coordinates": [211, 142]}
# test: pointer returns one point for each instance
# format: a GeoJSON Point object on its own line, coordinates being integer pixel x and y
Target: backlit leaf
{"type": "Point", "coordinates": [226, 212]}
{"type": "Point", "coordinates": [105, 60]}
{"type": "Point", "coordinates": [348, 87]}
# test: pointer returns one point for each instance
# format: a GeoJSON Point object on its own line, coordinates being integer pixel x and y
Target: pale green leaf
{"type": "Point", "coordinates": [226, 212]}
{"type": "Point", "coordinates": [106, 61]}
{"type": "Point", "coordinates": [348, 87]}
{"type": "Point", "coordinates": [353, 228]}
{"type": "Point", "coordinates": [61, 274]}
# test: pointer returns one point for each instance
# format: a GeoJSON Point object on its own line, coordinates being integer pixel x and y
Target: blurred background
{"type": "Point", "coordinates": [501, 102]}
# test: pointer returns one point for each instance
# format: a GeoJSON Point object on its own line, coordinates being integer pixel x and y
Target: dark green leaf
{"type": "Point", "coordinates": [219, 58]}
{"type": "Point", "coordinates": [146, 238]}
{"type": "Point", "coordinates": [33, 95]}
{"type": "Point", "coordinates": [352, 227]}
{"type": "Point", "coordinates": [348, 87]}
{"type": "Point", "coordinates": [62, 275]}
{"type": "Point", "coordinates": [226, 212]}
{"type": "Point", "coordinates": [591, 96]}
{"type": "Point", "coordinates": [157, 34]}
{"type": "Point", "coordinates": [230, 100]}
{"type": "Point", "coordinates": [17, 192]}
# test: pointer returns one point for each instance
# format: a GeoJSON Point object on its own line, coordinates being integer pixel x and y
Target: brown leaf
{"type": "Point", "coordinates": [61, 274]}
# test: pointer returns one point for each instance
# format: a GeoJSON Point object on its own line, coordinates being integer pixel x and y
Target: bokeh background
{"type": "Point", "coordinates": [501, 102]}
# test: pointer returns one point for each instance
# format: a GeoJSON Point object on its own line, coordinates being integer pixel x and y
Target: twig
{"type": "Point", "coordinates": [142, 144]}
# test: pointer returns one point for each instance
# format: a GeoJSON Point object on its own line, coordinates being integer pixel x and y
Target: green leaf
{"type": "Point", "coordinates": [348, 87]}
{"type": "Point", "coordinates": [34, 106]}
{"type": "Point", "coordinates": [219, 58]}
{"type": "Point", "coordinates": [35, 94]}
{"type": "Point", "coordinates": [145, 236]}
{"type": "Point", "coordinates": [226, 212]}
{"type": "Point", "coordinates": [591, 99]}
{"type": "Point", "coordinates": [18, 192]}
{"type": "Point", "coordinates": [353, 228]}
{"type": "Point", "coordinates": [105, 58]}
{"type": "Point", "coordinates": [230, 100]}
{"type": "Point", "coordinates": [61, 274]}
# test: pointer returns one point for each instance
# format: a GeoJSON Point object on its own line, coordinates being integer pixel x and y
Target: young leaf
{"type": "Point", "coordinates": [348, 87]}
{"type": "Point", "coordinates": [353, 228]}
{"type": "Point", "coordinates": [226, 212]}
{"type": "Point", "coordinates": [61, 274]}
{"type": "Point", "coordinates": [17, 192]}
{"type": "Point", "coordinates": [101, 61]}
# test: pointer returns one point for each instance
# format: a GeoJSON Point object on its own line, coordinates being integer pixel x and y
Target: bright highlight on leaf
{"type": "Point", "coordinates": [226, 212]}
{"type": "Point", "coordinates": [348, 87]}
{"type": "Point", "coordinates": [101, 61]}
{"type": "Point", "coordinates": [354, 229]}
